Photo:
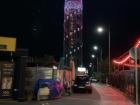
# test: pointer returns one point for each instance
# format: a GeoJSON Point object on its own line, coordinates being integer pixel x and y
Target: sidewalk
{"type": "Point", "coordinates": [110, 95]}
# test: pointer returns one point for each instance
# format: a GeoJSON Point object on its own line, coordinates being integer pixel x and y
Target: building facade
{"type": "Point", "coordinates": [73, 25]}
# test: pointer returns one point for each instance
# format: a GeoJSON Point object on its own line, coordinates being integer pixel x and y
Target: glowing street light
{"type": "Point", "coordinates": [99, 48]}
{"type": "Point", "coordinates": [95, 47]}
{"type": "Point", "coordinates": [90, 66]}
{"type": "Point", "coordinates": [100, 29]}
{"type": "Point", "coordinates": [93, 56]}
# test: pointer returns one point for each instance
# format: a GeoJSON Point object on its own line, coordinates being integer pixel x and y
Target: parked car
{"type": "Point", "coordinates": [93, 80]}
{"type": "Point", "coordinates": [82, 83]}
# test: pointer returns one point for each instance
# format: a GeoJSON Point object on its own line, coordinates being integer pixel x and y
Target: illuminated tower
{"type": "Point", "coordinates": [73, 24]}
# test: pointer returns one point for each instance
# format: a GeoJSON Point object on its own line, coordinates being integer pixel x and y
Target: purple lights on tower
{"type": "Point", "coordinates": [73, 4]}
{"type": "Point", "coordinates": [73, 24]}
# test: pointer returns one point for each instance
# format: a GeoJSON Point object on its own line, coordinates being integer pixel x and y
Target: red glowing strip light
{"type": "Point", "coordinates": [128, 56]}
{"type": "Point", "coordinates": [137, 44]}
{"type": "Point", "coordinates": [122, 61]}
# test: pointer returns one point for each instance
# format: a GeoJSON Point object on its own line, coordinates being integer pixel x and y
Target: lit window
{"type": "Point", "coordinates": [74, 12]}
{"type": "Point", "coordinates": [67, 17]}
{"type": "Point", "coordinates": [66, 55]}
{"type": "Point", "coordinates": [70, 33]}
{"type": "Point", "coordinates": [78, 48]}
{"type": "Point", "coordinates": [66, 36]}
{"type": "Point", "coordinates": [78, 29]}
{"type": "Point", "coordinates": [71, 15]}
{"type": "Point", "coordinates": [70, 52]}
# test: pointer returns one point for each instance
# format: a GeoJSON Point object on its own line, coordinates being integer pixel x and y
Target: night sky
{"type": "Point", "coordinates": [38, 25]}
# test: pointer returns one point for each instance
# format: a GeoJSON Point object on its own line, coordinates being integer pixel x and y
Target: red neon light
{"type": "Point", "coordinates": [128, 56]}
{"type": "Point", "coordinates": [122, 61]}
{"type": "Point", "coordinates": [137, 44]}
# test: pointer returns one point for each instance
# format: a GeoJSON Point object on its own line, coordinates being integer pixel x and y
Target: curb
{"type": "Point", "coordinates": [7, 100]}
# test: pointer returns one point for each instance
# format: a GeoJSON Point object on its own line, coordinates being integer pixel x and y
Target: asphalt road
{"type": "Point", "coordinates": [101, 95]}
{"type": "Point", "coordinates": [79, 99]}
{"type": "Point", "coordinates": [74, 99]}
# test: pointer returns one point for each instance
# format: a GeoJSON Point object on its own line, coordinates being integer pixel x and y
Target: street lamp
{"type": "Point", "coordinates": [100, 30]}
{"type": "Point", "coordinates": [93, 56]}
{"type": "Point", "coordinates": [95, 47]}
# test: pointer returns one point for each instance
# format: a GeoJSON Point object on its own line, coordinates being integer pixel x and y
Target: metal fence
{"type": "Point", "coordinates": [125, 81]}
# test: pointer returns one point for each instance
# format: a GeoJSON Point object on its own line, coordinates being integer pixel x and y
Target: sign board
{"type": "Point", "coordinates": [6, 78]}
{"type": "Point", "coordinates": [132, 53]}
{"type": "Point", "coordinates": [81, 69]}
{"type": "Point", "coordinates": [7, 44]}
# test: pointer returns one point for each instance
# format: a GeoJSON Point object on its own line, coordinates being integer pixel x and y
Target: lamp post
{"type": "Point", "coordinates": [95, 47]}
{"type": "Point", "coordinates": [101, 30]}
{"type": "Point", "coordinates": [109, 48]}
{"type": "Point", "coordinates": [91, 68]}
